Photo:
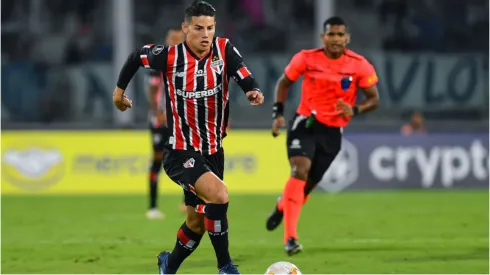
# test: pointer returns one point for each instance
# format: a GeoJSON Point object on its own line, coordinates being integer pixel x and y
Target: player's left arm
{"type": "Point", "coordinates": [237, 69]}
{"type": "Point", "coordinates": [367, 83]}
{"type": "Point", "coordinates": [154, 82]}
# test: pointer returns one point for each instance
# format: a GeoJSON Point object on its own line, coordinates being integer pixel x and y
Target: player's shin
{"type": "Point", "coordinates": [307, 190]}
{"type": "Point", "coordinates": [217, 226]}
{"type": "Point", "coordinates": [293, 200]}
{"type": "Point", "coordinates": [187, 242]}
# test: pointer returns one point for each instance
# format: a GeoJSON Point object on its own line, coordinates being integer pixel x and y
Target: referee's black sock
{"type": "Point", "coordinates": [217, 227]}
{"type": "Point", "coordinates": [156, 166]}
{"type": "Point", "coordinates": [187, 242]}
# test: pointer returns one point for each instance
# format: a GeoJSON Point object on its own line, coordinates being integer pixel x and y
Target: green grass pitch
{"type": "Point", "coordinates": [353, 232]}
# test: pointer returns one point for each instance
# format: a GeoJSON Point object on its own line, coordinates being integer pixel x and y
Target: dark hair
{"type": "Point", "coordinates": [199, 8]}
{"type": "Point", "coordinates": [335, 20]}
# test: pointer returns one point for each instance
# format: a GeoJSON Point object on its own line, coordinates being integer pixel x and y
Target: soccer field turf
{"type": "Point", "coordinates": [358, 232]}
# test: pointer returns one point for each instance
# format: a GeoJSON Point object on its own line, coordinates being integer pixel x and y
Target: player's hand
{"type": "Point", "coordinates": [121, 101]}
{"type": "Point", "coordinates": [276, 123]}
{"type": "Point", "coordinates": [162, 117]}
{"type": "Point", "coordinates": [344, 109]}
{"type": "Point", "coordinates": [255, 97]}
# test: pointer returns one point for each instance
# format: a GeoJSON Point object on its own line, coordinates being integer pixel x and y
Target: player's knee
{"type": "Point", "coordinates": [211, 189]}
{"type": "Point", "coordinates": [157, 156]}
{"type": "Point", "coordinates": [221, 196]}
{"type": "Point", "coordinates": [300, 167]}
{"type": "Point", "coordinates": [300, 172]}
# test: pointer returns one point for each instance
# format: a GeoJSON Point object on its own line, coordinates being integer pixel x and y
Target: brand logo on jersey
{"type": "Point", "coordinates": [218, 66]}
{"type": "Point", "coordinates": [199, 94]}
{"type": "Point", "coordinates": [200, 73]}
{"type": "Point", "coordinates": [157, 49]}
{"type": "Point", "coordinates": [189, 163]}
{"type": "Point", "coordinates": [179, 74]}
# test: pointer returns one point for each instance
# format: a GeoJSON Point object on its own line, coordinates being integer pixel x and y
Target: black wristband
{"type": "Point", "coordinates": [277, 110]}
{"type": "Point", "coordinates": [355, 110]}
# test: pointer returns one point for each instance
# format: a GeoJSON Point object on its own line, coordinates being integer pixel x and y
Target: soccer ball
{"type": "Point", "coordinates": [283, 268]}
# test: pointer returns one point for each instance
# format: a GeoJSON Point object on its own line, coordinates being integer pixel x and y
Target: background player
{"type": "Point", "coordinates": [332, 76]}
{"type": "Point", "coordinates": [158, 125]}
{"type": "Point", "coordinates": [196, 74]}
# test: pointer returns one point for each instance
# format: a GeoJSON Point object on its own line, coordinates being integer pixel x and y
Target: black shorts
{"type": "Point", "coordinates": [159, 136]}
{"type": "Point", "coordinates": [185, 168]}
{"type": "Point", "coordinates": [319, 143]}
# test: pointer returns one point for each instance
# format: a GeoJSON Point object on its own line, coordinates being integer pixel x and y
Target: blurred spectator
{"type": "Point", "coordinates": [415, 126]}
{"type": "Point", "coordinates": [254, 10]}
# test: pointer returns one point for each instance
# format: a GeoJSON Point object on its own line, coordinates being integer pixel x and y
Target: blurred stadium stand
{"type": "Point", "coordinates": [431, 56]}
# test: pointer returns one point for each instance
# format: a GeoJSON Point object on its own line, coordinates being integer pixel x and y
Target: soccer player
{"type": "Point", "coordinates": [332, 76]}
{"type": "Point", "coordinates": [158, 125]}
{"type": "Point", "coordinates": [196, 74]}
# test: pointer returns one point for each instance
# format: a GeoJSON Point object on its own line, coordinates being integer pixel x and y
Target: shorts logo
{"type": "Point", "coordinates": [344, 170]}
{"type": "Point", "coordinates": [295, 144]}
{"type": "Point", "coordinates": [189, 163]}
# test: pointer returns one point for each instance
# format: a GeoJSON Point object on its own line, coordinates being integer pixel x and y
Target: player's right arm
{"type": "Point", "coordinates": [150, 57]}
{"type": "Point", "coordinates": [292, 73]}
{"type": "Point", "coordinates": [153, 86]}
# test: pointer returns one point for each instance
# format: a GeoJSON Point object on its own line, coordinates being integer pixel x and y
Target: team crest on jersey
{"type": "Point", "coordinates": [217, 65]}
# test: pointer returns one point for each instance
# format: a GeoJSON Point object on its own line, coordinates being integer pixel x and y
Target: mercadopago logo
{"type": "Point", "coordinates": [32, 168]}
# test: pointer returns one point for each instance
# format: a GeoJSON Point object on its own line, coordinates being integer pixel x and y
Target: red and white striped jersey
{"type": "Point", "coordinates": [197, 92]}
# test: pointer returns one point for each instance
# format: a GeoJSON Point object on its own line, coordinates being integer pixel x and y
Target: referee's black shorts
{"type": "Point", "coordinates": [319, 143]}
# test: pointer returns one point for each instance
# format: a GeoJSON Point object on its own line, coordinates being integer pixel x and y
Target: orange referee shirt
{"type": "Point", "coordinates": [328, 80]}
